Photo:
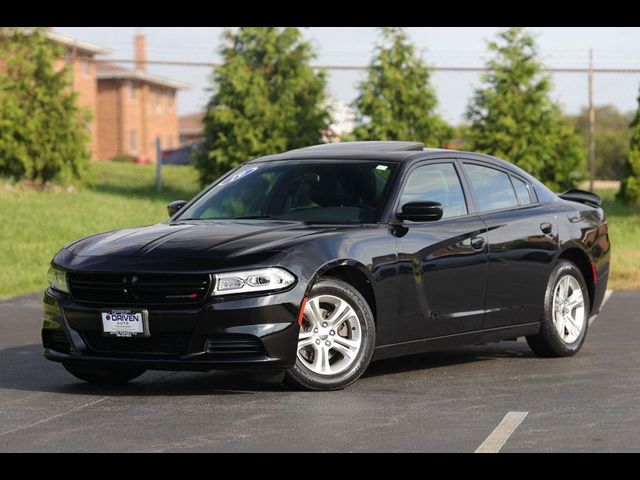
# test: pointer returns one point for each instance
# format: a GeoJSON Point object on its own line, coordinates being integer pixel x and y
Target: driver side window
{"type": "Point", "coordinates": [436, 183]}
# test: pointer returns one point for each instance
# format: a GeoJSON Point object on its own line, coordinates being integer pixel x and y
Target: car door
{"type": "Point", "coordinates": [522, 243]}
{"type": "Point", "coordinates": [442, 265]}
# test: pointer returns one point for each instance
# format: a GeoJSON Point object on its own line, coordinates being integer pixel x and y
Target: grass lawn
{"type": "Point", "coordinates": [624, 232]}
{"type": "Point", "coordinates": [35, 225]}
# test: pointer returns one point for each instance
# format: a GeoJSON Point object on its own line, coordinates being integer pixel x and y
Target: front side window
{"type": "Point", "coordinates": [436, 183]}
{"type": "Point", "coordinates": [492, 188]}
{"type": "Point", "coordinates": [309, 191]}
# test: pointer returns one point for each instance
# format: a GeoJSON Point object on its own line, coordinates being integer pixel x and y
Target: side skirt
{"type": "Point", "coordinates": [458, 339]}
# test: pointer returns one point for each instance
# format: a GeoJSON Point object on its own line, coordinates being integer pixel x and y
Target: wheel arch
{"type": "Point", "coordinates": [353, 273]}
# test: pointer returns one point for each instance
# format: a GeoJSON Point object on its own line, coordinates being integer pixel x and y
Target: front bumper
{"type": "Point", "coordinates": [244, 333]}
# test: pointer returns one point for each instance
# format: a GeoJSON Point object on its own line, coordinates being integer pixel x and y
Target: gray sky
{"type": "Point", "coordinates": [443, 46]}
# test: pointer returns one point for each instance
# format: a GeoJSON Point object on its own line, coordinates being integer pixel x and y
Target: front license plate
{"type": "Point", "coordinates": [124, 323]}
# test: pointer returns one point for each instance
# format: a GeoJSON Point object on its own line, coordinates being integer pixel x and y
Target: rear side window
{"type": "Point", "coordinates": [492, 188]}
{"type": "Point", "coordinates": [522, 191]}
{"type": "Point", "coordinates": [436, 183]}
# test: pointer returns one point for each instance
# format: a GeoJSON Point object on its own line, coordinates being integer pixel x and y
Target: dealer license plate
{"type": "Point", "coordinates": [125, 323]}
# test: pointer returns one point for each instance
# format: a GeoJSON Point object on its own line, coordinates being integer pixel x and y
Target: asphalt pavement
{"type": "Point", "coordinates": [494, 397]}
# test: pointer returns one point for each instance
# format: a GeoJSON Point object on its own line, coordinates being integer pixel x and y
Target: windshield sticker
{"type": "Point", "coordinates": [381, 167]}
{"type": "Point", "coordinates": [238, 175]}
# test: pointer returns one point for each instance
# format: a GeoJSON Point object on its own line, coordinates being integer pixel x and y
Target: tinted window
{"type": "Point", "coordinates": [314, 191]}
{"type": "Point", "coordinates": [436, 183]}
{"type": "Point", "coordinates": [492, 188]}
{"type": "Point", "coordinates": [522, 191]}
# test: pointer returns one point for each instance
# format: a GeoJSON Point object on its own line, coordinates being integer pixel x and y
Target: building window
{"type": "Point", "coordinates": [133, 142]}
{"type": "Point", "coordinates": [170, 142]}
{"type": "Point", "coordinates": [132, 90]}
{"type": "Point", "coordinates": [171, 98]}
{"type": "Point", "coordinates": [84, 61]}
{"type": "Point", "coordinates": [158, 97]}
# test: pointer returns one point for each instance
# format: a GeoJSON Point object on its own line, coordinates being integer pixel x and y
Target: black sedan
{"type": "Point", "coordinates": [319, 260]}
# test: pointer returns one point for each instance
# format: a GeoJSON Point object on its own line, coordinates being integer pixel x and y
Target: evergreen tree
{"type": "Point", "coordinates": [513, 116]}
{"type": "Point", "coordinates": [630, 187]}
{"type": "Point", "coordinates": [267, 99]}
{"type": "Point", "coordinates": [43, 134]}
{"type": "Point", "coordinates": [396, 101]}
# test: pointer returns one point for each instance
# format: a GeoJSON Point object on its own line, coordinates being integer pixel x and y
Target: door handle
{"type": "Point", "coordinates": [546, 228]}
{"type": "Point", "coordinates": [477, 243]}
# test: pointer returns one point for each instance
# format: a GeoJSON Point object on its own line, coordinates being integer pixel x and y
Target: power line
{"type": "Point", "coordinates": [361, 68]}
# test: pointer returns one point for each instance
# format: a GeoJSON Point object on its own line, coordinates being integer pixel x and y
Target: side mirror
{"type": "Point", "coordinates": [173, 207]}
{"type": "Point", "coordinates": [421, 212]}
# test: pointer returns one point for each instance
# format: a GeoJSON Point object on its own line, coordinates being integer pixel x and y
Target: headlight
{"type": "Point", "coordinates": [248, 281]}
{"type": "Point", "coordinates": [58, 279]}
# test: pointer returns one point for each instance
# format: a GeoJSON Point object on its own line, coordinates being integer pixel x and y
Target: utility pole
{"type": "Point", "coordinates": [592, 126]}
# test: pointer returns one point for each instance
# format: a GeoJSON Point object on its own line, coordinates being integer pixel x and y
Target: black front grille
{"type": "Point", "coordinates": [144, 289]}
{"type": "Point", "coordinates": [56, 340]}
{"type": "Point", "coordinates": [234, 345]}
{"type": "Point", "coordinates": [159, 344]}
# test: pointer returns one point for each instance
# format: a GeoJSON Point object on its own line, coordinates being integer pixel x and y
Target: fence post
{"type": "Point", "coordinates": [158, 166]}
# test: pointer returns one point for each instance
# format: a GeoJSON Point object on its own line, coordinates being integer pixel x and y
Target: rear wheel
{"type": "Point", "coordinates": [336, 338]}
{"type": "Point", "coordinates": [566, 314]}
{"type": "Point", "coordinates": [112, 376]}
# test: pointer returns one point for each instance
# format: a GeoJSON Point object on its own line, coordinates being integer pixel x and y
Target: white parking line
{"type": "Point", "coordinates": [606, 297]}
{"type": "Point", "coordinates": [496, 439]}
{"type": "Point", "coordinates": [48, 419]}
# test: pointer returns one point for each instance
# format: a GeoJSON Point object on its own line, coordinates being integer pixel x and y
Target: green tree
{"type": "Point", "coordinates": [266, 99]}
{"type": "Point", "coordinates": [612, 138]}
{"type": "Point", "coordinates": [513, 116]}
{"type": "Point", "coordinates": [630, 187]}
{"type": "Point", "coordinates": [396, 101]}
{"type": "Point", "coordinates": [43, 134]}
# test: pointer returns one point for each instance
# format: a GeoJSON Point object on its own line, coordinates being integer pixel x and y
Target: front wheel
{"type": "Point", "coordinates": [107, 376]}
{"type": "Point", "coordinates": [336, 338]}
{"type": "Point", "coordinates": [566, 314]}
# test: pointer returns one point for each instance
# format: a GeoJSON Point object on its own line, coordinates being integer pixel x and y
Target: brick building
{"type": "Point", "coordinates": [191, 127]}
{"type": "Point", "coordinates": [130, 108]}
{"type": "Point", "coordinates": [80, 56]}
{"type": "Point", "coordinates": [135, 108]}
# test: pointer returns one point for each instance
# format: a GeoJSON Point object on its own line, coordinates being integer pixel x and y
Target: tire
{"type": "Point", "coordinates": [354, 334]}
{"type": "Point", "coordinates": [104, 376]}
{"type": "Point", "coordinates": [549, 342]}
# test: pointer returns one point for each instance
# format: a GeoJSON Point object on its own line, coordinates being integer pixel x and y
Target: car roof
{"type": "Point", "coordinates": [395, 152]}
{"type": "Point", "coordinates": [386, 146]}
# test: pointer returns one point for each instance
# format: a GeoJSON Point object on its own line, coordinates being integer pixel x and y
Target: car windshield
{"type": "Point", "coordinates": [309, 191]}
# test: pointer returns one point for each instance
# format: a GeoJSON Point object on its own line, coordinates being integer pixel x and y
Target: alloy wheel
{"type": "Point", "coordinates": [330, 335]}
{"type": "Point", "coordinates": [568, 309]}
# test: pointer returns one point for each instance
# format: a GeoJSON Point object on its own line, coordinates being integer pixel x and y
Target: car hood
{"type": "Point", "coordinates": [202, 239]}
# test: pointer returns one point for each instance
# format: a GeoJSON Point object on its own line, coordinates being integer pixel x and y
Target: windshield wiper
{"type": "Point", "coordinates": [245, 217]}
{"type": "Point", "coordinates": [251, 217]}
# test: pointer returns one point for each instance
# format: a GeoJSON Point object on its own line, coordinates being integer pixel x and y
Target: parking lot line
{"type": "Point", "coordinates": [496, 439]}
{"type": "Point", "coordinates": [606, 297]}
{"type": "Point", "coordinates": [48, 419]}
